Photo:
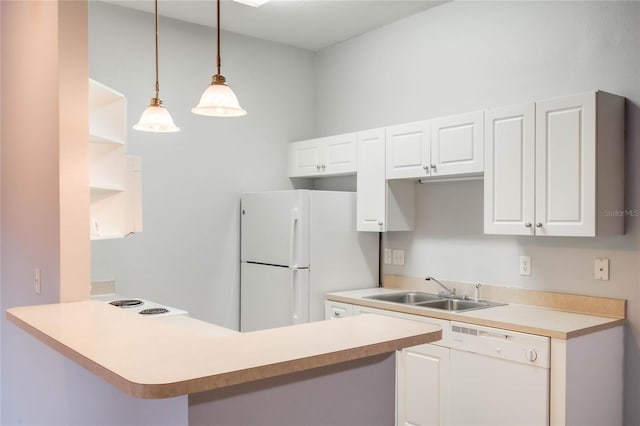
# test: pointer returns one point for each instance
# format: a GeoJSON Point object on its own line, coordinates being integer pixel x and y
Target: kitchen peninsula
{"type": "Point", "coordinates": [176, 356]}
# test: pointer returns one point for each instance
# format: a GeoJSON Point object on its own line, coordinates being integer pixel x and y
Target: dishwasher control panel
{"type": "Point", "coordinates": [504, 344]}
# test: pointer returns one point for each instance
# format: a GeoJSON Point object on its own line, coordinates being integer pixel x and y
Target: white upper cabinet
{"type": "Point", "coordinates": [457, 144]}
{"type": "Point", "coordinates": [509, 175]}
{"type": "Point", "coordinates": [408, 150]}
{"type": "Point", "coordinates": [442, 147]}
{"type": "Point", "coordinates": [558, 171]}
{"type": "Point", "coordinates": [381, 206]}
{"type": "Point", "coordinates": [330, 156]}
{"type": "Point", "coordinates": [370, 181]}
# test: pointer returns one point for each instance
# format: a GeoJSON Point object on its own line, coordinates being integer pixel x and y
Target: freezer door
{"type": "Point", "coordinates": [272, 296]}
{"type": "Point", "coordinates": [275, 228]}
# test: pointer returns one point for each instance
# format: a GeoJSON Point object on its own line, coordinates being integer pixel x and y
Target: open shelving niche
{"type": "Point", "coordinates": [115, 180]}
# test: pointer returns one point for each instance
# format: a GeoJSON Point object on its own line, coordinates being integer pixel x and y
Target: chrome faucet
{"type": "Point", "coordinates": [477, 291]}
{"type": "Point", "coordinates": [451, 291]}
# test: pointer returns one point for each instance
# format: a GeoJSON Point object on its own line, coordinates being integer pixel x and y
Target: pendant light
{"type": "Point", "coordinates": [156, 118]}
{"type": "Point", "coordinates": [219, 100]}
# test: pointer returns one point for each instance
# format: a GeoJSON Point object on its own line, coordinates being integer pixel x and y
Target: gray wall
{"type": "Point", "coordinates": [188, 253]}
{"type": "Point", "coordinates": [464, 56]}
{"type": "Point", "coordinates": [355, 393]}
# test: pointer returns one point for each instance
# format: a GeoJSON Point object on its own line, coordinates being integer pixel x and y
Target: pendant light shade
{"type": "Point", "coordinates": [156, 118]}
{"type": "Point", "coordinates": [219, 100]}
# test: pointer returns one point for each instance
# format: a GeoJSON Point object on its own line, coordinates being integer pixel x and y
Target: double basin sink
{"type": "Point", "coordinates": [433, 301]}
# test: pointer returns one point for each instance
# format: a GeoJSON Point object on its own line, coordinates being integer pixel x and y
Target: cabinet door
{"type": "Point", "coordinates": [457, 144]}
{"type": "Point", "coordinates": [509, 170]}
{"type": "Point", "coordinates": [339, 155]}
{"type": "Point", "coordinates": [408, 150]}
{"type": "Point", "coordinates": [371, 182]}
{"type": "Point", "coordinates": [565, 166]}
{"type": "Point", "coordinates": [305, 158]}
{"type": "Point", "coordinates": [422, 380]}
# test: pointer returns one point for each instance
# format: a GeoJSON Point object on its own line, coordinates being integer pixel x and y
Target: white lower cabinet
{"type": "Point", "coordinates": [422, 372]}
{"type": "Point", "coordinates": [577, 382]}
{"type": "Point", "coordinates": [422, 381]}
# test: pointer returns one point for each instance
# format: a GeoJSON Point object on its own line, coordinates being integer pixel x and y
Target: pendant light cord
{"type": "Point", "coordinates": [218, 26]}
{"type": "Point", "coordinates": [157, 84]}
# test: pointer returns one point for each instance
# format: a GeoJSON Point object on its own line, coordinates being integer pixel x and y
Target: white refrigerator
{"type": "Point", "coordinates": [296, 246]}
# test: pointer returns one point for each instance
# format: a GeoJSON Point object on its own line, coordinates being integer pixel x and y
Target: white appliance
{"type": "Point", "coordinates": [296, 246]}
{"type": "Point", "coordinates": [138, 306]}
{"type": "Point", "coordinates": [515, 366]}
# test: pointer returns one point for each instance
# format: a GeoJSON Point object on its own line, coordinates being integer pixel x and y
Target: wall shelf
{"type": "Point", "coordinates": [114, 182]}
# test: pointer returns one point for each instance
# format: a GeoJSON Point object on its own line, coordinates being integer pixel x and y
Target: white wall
{"type": "Point", "coordinates": [188, 253]}
{"type": "Point", "coordinates": [464, 56]}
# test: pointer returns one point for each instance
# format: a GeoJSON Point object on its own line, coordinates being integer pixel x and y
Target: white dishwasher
{"type": "Point", "coordinates": [498, 377]}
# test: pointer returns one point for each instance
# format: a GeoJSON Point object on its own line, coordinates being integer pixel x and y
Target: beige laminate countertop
{"type": "Point", "coordinates": [515, 317]}
{"type": "Point", "coordinates": [172, 356]}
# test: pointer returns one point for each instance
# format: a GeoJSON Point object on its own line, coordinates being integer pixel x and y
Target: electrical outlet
{"type": "Point", "coordinates": [525, 265]}
{"type": "Point", "coordinates": [398, 257]}
{"type": "Point", "coordinates": [37, 283]}
{"type": "Point", "coordinates": [387, 256]}
{"type": "Point", "coordinates": [601, 269]}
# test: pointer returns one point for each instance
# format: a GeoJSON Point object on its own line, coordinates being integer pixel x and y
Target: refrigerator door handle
{"type": "Point", "coordinates": [292, 238]}
{"type": "Point", "coordinates": [294, 297]}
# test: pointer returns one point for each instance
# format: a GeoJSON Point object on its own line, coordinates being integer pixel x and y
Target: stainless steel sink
{"type": "Point", "coordinates": [456, 305]}
{"type": "Point", "coordinates": [407, 298]}
{"type": "Point", "coordinates": [433, 301]}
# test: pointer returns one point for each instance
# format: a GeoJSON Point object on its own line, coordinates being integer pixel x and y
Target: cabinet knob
{"type": "Point", "coordinates": [538, 225]}
{"type": "Point", "coordinates": [527, 225]}
{"type": "Point", "coordinates": [380, 223]}
{"type": "Point", "coordinates": [433, 166]}
{"type": "Point", "coordinates": [336, 314]}
{"type": "Point", "coordinates": [318, 167]}
{"type": "Point", "coordinates": [323, 167]}
{"type": "Point", "coordinates": [426, 167]}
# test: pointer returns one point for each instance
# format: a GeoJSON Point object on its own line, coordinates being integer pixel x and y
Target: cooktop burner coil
{"type": "Point", "coordinates": [153, 311]}
{"type": "Point", "coordinates": [126, 303]}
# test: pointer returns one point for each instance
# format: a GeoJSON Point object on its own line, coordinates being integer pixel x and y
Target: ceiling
{"type": "Point", "coordinates": [309, 24]}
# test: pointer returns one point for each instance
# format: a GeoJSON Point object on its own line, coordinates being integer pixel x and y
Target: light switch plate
{"type": "Point", "coordinates": [37, 282]}
{"type": "Point", "coordinates": [601, 269]}
{"type": "Point", "coordinates": [398, 257]}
